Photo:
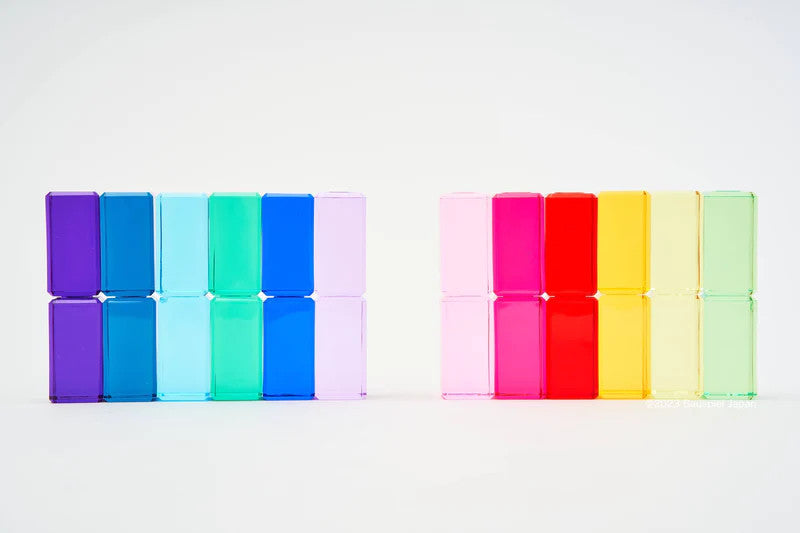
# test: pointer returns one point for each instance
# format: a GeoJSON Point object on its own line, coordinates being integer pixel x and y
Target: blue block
{"type": "Point", "coordinates": [184, 348]}
{"type": "Point", "coordinates": [126, 244]}
{"type": "Point", "coordinates": [129, 350]}
{"type": "Point", "coordinates": [289, 348]}
{"type": "Point", "coordinates": [287, 230]}
{"type": "Point", "coordinates": [182, 244]}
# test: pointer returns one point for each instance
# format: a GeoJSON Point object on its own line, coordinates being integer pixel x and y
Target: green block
{"type": "Point", "coordinates": [234, 247]}
{"type": "Point", "coordinates": [236, 341]}
{"type": "Point", "coordinates": [729, 243]}
{"type": "Point", "coordinates": [729, 347]}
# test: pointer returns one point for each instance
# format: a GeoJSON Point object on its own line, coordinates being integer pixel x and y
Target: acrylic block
{"type": "Point", "coordinates": [340, 259]}
{"type": "Point", "coordinates": [182, 244]}
{"type": "Point", "coordinates": [287, 228]}
{"type": "Point", "coordinates": [126, 243]}
{"type": "Point", "coordinates": [570, 255]}
{"type": "Point", "coordinates": [623, 341]}
{"type": "Point", "coordinates": [464, 244]}
{"type": "Point", "coordinates": [289, 348]}
{"type": "Point", "coordinates": [675, 242]}
{"type": "Point", "coordinates": [729, 243]}
{"type": "Point", "coordinates": [184, 348]}
{"type": "Point", "coordinates": [73, 243]}
{"type": "Point", "coordinates": [571, 347]}
{"type": "Point", "coordinates": [517, 243]}
{"type": "Point", "coordinates": [234, 245]}
{"type": "Point", "coordinates": [519, 347]}
{"type": "Point", "coordinates": [729, 345]}
{"type": "Point", "coordinates": [236, 344]}
{"type": "Point", "coordinates": [341, 354]}
{"type": "Point", "coordinates": [623, 242]}
{"type": "Point", "coordinates": [466, 364]}
{"type": "Point", "coordinates": [129, 350]}
{"type": "Point", "coordinates": [76, 350]}
{"type": "Point", "coordinates": [675, 346]}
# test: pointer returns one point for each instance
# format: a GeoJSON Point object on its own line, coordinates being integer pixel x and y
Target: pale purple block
{"type": "Point", "coordinates": [340, 244]}
{"type": "Point", "coordinates": [340, 361]}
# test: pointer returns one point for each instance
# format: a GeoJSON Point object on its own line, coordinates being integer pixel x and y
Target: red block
{"type": "Point", "coordinates": [570, 244]}
{"type": "Point", "coordinates": [571, 347]}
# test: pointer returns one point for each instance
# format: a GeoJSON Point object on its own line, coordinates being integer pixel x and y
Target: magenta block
{"type": "Point", "coordinates": [519, 347]}
{"type": "Point", "coordinates": [518, 243]}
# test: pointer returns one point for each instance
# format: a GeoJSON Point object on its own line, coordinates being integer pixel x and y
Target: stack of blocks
{"type": "Point", "coordinates": [211, 338]}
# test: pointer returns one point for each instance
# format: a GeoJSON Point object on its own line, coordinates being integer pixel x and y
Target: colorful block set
{"type": "Point", "coordinates": [211, 260]}
{"type": "Point", "coordinates": [626, 294]}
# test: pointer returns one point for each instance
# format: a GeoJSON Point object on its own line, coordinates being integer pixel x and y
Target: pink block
{"type": "Point", "coordinates": [340, 244]}
{"type": "Point", "coordinates": [466, 363]}
{"type": "Point", "coordinates": [518, 243]}
{"type": "Point", "coordinates": [464, 244]}
{"type": "Point", "coordinates": [519, 347]}
{"type": "Point", "coordinates": [340, 359]}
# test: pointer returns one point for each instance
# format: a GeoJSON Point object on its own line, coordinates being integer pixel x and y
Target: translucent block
{"type": "Point", "coordinates": [623, 341]}
{"type": "Point", "coordinates": [341, 360]}
{"type": "Point", "coordinates": [729, 346]}
{"type": "Point", "coordinates": [464, 244]}
{"type": "Point", "coordinates": [236, 344]}
{"type": "Point", "coordinates": [289, 348]}
{"type": "Point", "coordinates": [234, 231]}
{"type": "Point", "coordinates": [517, 243]}
{"type": "Point", "coordinates": [466, 363]}
{"type": "Point", "coordinates": [73, 243]}
{"type": "Point", "coordinates": [182, 244]}
{"type": "Point", "coordinates": [519, 347]}
{"type": "Point", "coordinates": [126, 242]}
{"type": "Point", "coordinates": [76, 350]}
{"type": "Point", "coordinates": [570, 244]}
{"type": "Point", "coordinates": [675, 242]}
{"type": "Point", "coordinates": [287, 227]}
{"type": "Point", "coordinates": [729, 243]}
{"type": "Point", "coordinates": [184, 348]}
{"type": "Point", "coordinates": [623, 242]}
{"type": "Point", "coordinates": [129, 355]}
{"type": "Point", "coordinates": [571, 347]}
{"type": "Point", "coordinates": [675, 346]}
{"type": "Point", "coordinates": [340, 253]}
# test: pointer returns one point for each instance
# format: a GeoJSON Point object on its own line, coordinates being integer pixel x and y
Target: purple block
{"type": "Point", "coordinates": [76, 350]}
{"type": "Point", "coordinates": [73, 243]}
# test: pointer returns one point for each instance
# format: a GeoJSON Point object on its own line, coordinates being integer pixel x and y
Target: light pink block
{"type": "Point", "coordinates": [464, 244]}
{"type": "Point", "coordinates": [340, 259]}
{"type": "Point", "coordinates": [340, 361]}
{"type": "Point", "coordinates": [466, 362]}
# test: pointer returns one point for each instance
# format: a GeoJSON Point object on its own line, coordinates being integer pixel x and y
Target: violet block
{"type": "Point", "coordinates": [76, 350]}
{"type": "Point", "coordinates": [73, 243]}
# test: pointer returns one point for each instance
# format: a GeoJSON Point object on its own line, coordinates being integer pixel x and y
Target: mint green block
{"type": "Point", "coordinates": [729, 243]}
{"type": "Point", "coordinates": [234, 244]}
{"type": "Point", "coordinates": [729, 347]}
{"type": "Point", "coordinates": [236, 348]}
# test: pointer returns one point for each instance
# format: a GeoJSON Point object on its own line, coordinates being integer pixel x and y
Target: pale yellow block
{"type": "Point", "coordinates": [675, 241]}
{"type": "Point", "coordinates": [675, 346]}
{"type": "Point", "coordinates": [623, 242]}
{"type": "Point", "coordinates": [624, 346]}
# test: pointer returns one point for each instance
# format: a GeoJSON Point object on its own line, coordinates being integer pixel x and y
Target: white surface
{"type": "Point", "coordinates": [401, 103]}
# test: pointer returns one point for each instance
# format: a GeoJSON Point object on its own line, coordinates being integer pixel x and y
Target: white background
{"type": "Point", "coordinates": [402, 101]}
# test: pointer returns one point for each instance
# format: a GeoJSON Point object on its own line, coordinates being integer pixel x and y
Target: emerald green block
{"type": "Point", "coordinates": [236, 355]}
{"type": "Point", "coordinates": [729, 347]}
{"type": "Point", "coordinates": [729, 243]}
{"type": "Point", "coordinates": [234, 244]}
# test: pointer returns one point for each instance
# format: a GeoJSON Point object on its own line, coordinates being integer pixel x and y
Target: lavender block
{"type": "Point", "coordinates": [73, 243]}
{"type": "Point", "coordinates": [76, 350]}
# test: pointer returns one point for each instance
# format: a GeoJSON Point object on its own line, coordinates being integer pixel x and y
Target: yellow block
{"type": "Point", "coordinates": [675, 370]}
{"type": "Point", "coordinates": [623, 242]}
{"type": "Point", "coordinates": [675, 242]}
{"type": "Point", "coordinates": [624, 346]}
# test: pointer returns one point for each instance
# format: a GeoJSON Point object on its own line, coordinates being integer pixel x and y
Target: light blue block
{"type": "Point", "coordinates": [182, 244]}
{"type": "Point", "coordinates": [184, 348]}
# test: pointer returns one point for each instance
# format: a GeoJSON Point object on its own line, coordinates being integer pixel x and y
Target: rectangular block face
{"type": "Point", "coordinates": [236, 344]}
{"type": "Point", "coordinates": [126, 242]}
{"type": "Point", "coordinates": [729, 243]}
{"type": "Point", "coordinates": [76, 351]}
{"type": "Point", "coordinates": [182, 244]}
{"type": "Point", "coordinates": [623, 242]}
{"type": "Point", "coordinates": [341, 358]}
{"type": "Point", "coordinates": [466, 363]}
{"type": "Point", "coordinates": [570, 255]}
{"type": "Point", "coordinates": [340, 258]}
{"type": "Point", "coordinates": [287, 227]}
{"type": "Point", "coordinates": [184, 348]}
{"type": "Point", "coordinates": [729, 340]}
{"type": "Point", "coordinates": [675, 242]}
{"type": "Point", "coordinates": [624, 346]}
{"type": "Point", "coordinates": [517, 243]}
{"type": "Point", "coordinates": [519, 348]}
{"type": "Point", "coordinates": [675, 346]}
{"type": "Point", "coordinates": [289, 349]}
{"type": "Point", "coordinates": [129, 350]}
{"type": "Point", "coordinates": [73, 243]}
{"type": "Point", "coordinates": [571, 348]}
{"type": "Point", "coordinates": [234, 260]}
{"type": "Point", "coordinates": [464, 244]}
